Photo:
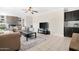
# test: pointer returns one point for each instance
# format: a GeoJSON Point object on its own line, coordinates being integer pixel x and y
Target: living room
{"type": "Point", "coordinates": [48, 29]}
{"type": "Point", "coordinates": [10, 19]}
{"type": "Point", "coordinates": [39, 29]}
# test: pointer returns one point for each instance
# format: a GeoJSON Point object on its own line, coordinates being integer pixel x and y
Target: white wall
{"type": "Point", "coordinates": [28, 21]}
{"type": "Point", "coordinates": [12, 11]}
{"type": "Point", "coordinates": [55, 19]}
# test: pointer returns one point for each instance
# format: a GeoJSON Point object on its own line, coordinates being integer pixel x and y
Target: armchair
{"type": "Point", "coordinates": [74, 44]}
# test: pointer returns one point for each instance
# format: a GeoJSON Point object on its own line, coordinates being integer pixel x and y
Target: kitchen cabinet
{"type": "Point", "coordinates": [68, 16]}
{"type": "Point", "coordinates": [71, 16]}
{"type": "Point", "coordinates": [68, 31]}
{"type": "Point", "coordinates": [75, 30]}
{"type": "Point", "coordinates": [75, 15]}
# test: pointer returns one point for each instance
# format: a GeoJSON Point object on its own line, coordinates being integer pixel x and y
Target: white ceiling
{"type": "Point", "coordinates": [45, 9]}
{"type": "Point", "coordinates": [71, 9]}
{"type": "Point", "coordinates": [19, 11]}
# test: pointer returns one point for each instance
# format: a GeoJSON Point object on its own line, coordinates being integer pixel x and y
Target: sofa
{"type": "Point", "coordinates": [10, 41]}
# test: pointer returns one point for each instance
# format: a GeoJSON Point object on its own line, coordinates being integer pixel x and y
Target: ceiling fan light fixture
{"type": "Point", "coordinates": [30, 10]}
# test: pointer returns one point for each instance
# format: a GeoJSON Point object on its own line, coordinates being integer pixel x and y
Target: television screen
{"type": "Point", "coordinates": [44, 25]}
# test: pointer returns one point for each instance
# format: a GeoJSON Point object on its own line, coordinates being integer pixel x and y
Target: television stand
{"type": "Point", "coordinates": [43, 31]}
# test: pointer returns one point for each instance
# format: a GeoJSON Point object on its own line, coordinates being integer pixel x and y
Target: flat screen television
{"type": "Point", "coordinates": [44, 25]}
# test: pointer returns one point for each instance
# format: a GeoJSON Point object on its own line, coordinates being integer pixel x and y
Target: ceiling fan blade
{"type": "Point", "coordinates": [35, 11]}
{"type": "Point", "coordinates": [32, 12]}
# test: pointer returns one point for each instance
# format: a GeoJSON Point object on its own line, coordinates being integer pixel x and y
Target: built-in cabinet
{"type": "Point", "coordinates": [6, 21]}
{"type": "Point", "coordinates": [69, 17]}
{"type": "Point", "coordinates": [2, 22]}
{"type": "Point", "coordinates": [2, 19]}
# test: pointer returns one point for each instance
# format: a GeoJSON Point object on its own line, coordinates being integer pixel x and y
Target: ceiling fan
{"type": "Point", "coordinates": [30, 9]}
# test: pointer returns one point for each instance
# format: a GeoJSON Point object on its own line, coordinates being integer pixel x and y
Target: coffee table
{"type": "Point", "coordinates": [28, 34]}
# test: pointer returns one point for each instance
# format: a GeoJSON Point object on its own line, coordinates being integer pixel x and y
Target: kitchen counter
{"type": "Point", "coordinates": [71, 27]}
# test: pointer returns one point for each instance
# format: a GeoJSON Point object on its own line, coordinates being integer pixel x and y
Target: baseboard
{"type": "Point", "coordinates": [71, 49]}
{"type": "Point", "coordinates": [58, 35]}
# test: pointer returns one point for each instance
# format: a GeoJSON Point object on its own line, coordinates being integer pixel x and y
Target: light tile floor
{"type": "Point", "coordinates": [45, 43]}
